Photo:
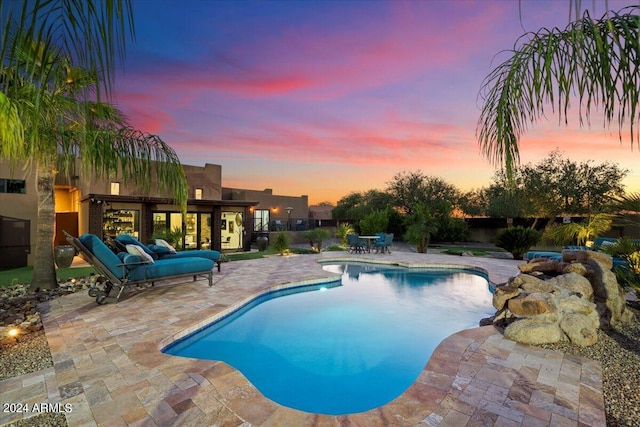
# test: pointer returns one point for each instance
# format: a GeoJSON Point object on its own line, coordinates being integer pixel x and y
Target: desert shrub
{"type": "Point", "coordinates": [517, 240]}
{"type": "Point", "coordinates": [375, 222]}
{"type": "Point", "coordinates": [452, 230]}
{"type": "Point", "coordinates": [342, 231]}
{"type": "Point", "coordinates": [627, 275]}
{"type": "Point", "coordinates": [580, 232]}
{"type": "Point", "coordinates": [317, 235]}
{"type": "Point", "coordinates": [282, 243]}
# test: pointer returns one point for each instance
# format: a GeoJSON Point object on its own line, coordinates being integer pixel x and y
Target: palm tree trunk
{"type": "Point", "coordinates": [44, 273]}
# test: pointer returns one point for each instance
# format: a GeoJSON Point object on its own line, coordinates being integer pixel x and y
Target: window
{"type": "Point", "coordinates": [15, 186]}
{"type": "Point", "coordinates": [197, 231]}
{"type": "Point", "coordinates": [198, 193]}
{"type": "Point", "coordinates": [121, 221]}
{"type": "Point", "coordinates": [261, 220]}
{"type": "Point", "coordinates": [115, 188]}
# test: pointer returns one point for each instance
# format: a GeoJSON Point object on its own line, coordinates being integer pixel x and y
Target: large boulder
{"type": "Point", "coordinates": [542, 265]}
{"type": "Point", "coordinates": [580, 328]}
{"type": "Point", "coordinates": [530, 331]}
{"type": "Point", "coordinates": [531, 284]}
{"type": "Point", "coordinates": [502, 294]}
{"type": "Point", "coordinates": [531, 305]}
{"type": "Point", "coordinates": [575, 304]}
{"type": "Point", "coordinates": [573, 283]}
{"type": "Point", "coordinates": [570, 255]}
{"type": "Point", "coordinates": [608, 295]}
{"type": "Point", "coordinates": [574, 267]}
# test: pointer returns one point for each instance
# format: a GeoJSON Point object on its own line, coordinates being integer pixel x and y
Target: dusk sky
{"type": "Point", "coordinates": [324, 98]}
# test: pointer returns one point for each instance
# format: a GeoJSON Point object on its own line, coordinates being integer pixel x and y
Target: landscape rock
{"type": "Point", "coordinates": [542, 265]}
{"type": "Point", "coordinates": [530, 331]}
{"type": "Point", "coordinates": [573, 283]}
{"type": "Point", "coordinates": [574, 267]}
{"type": "Point", "coordinates": [554, 301]}
{"type": "Point", "coordinates": [580, 329]}
{"type": "Point", "coordinates": [608, 295]}
{"type": "Point", "coordinates": [571, 255]}
{"type": "Point", "coordinates": [531, 305]}
{"type": "Point", "coordinates": [503, 293]}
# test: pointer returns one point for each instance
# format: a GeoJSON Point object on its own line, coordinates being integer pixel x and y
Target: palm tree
{"type": "Point", "coordinates": [51, 110]}
{"type": "Point", "coordinates": [421, 223]}
{"type": "Point", "coordinates": [582, 232]}
{"type": "Point", "coordinates": [596, 61]}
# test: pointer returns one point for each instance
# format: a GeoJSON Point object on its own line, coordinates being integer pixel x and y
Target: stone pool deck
{"type": "Point", "coordinates": [108, 367]}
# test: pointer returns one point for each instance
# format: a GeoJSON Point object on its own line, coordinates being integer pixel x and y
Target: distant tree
{"type": "Point", "coordinates": [452, 229]}
{"type": "Point", "coordinates": [557, 185]}
{"type": "Point", "coordinates": [350, 208]}
{"type": "Point", "coordinates": [508, 200]}
{"type": "Point", "coordinates": [475, 202]}
{"type": "Point", "coordinates": [375, 222]}
{"type": "Point", "coordinates": [595, 61]}
{"type": "Point", "coordinates": [410, 188]}
{"type": "Point", "coordinates": [355, 206]}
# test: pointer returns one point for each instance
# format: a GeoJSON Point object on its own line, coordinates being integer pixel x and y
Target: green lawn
{"type": "Point", "coordinates": [23, 274]}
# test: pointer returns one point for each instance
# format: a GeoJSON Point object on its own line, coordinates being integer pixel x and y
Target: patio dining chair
{"type": "Point", "coordinates": [355, 243]}
{"type": "Point", "coordinates": [383, 243]}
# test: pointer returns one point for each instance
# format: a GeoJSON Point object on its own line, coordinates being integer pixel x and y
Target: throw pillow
{"type": "Point", "coordinates": [161, 242]}
{"type": "Point", "coordinates": [137, 250]}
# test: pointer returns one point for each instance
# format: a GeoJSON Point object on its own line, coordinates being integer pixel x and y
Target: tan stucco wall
{"type": "Point", "coordinates": [276, 204]}
{"type": "Point", "coordinates": [207, 177]}
{"type": "Point", "coordinates": [23, 206]}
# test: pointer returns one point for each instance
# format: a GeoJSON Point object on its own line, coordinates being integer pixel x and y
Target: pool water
{"type": "Point", "coordinates": [348, 348]}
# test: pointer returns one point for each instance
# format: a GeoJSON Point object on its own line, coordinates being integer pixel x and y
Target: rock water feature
{"type": "Point", "coordinates": [552, 301]}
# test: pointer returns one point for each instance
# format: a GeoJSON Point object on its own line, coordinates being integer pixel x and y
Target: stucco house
{"type": "Point", "coordinates": [217, 218]}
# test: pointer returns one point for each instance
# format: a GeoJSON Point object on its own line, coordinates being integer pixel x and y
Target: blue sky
{"type": "Point", "coordinates": [328, 97]}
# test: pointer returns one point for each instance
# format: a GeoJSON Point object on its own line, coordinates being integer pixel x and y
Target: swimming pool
{"type": "Point", "coordinates": [348, 348]}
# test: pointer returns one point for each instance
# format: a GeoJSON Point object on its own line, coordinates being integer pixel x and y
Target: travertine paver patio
{"type": "Point", "coordinates": [109, 369]}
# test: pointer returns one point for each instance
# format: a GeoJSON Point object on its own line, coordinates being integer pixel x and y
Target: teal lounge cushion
{"type": "Point", "coordinates": [102, 253]}
{"type": "Point", "coordinates": [543, 254]}
{"type": "Point", "coordinates": [131, 262]}
{"type": "Point", "coordinates": [202, 253]}
{"type": "Point", "coordinates": [161, 251]}
{"type": "Point", "coordinates": [171, 267]}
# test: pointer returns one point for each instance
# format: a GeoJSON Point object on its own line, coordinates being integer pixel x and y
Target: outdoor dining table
{"type": "Point", "coordinates": [369, 240]}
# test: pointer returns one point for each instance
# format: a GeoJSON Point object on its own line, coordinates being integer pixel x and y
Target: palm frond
{"type": "Point", "coordinates": [628, 202]}
{"type": "Point", "coordinates": [596, 61]}
{"type": "Point", "coordinates": [94, 35]}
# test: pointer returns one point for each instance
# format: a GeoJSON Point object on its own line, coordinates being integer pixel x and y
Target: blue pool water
{"type": "Point", "coordinates": [348, 348]}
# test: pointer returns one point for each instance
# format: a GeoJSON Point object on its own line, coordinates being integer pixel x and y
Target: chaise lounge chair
{"type": "Point", "coordinates": [161, 252]}
{"type": "Point", "coordinates": [125, 269]}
